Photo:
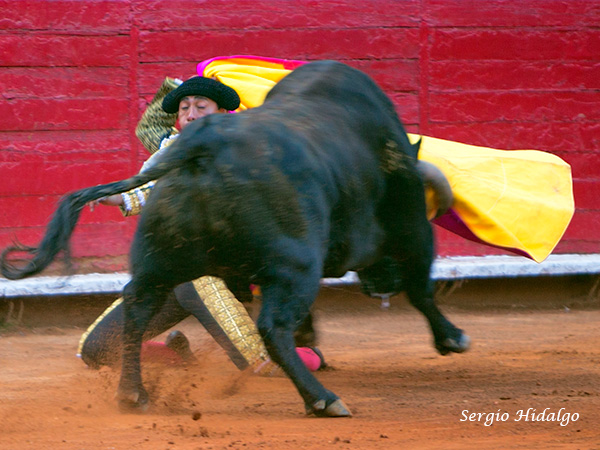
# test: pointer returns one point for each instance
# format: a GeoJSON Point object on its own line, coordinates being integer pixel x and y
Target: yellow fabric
{"type": "Point", "coordinates": [251, 78]}
{"type": "Point", "coordinates": [518, 199]}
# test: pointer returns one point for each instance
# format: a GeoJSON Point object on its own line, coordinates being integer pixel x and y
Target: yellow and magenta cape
{"type": "Point", "coordinates": [519, 200]}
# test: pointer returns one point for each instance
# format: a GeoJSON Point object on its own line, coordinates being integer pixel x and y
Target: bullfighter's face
{"type": "Point", "coordinates": [194, 107]}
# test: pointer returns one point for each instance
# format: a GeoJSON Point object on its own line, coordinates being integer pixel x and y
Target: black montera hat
{"type": "Point", "coordinates": [222, 95]}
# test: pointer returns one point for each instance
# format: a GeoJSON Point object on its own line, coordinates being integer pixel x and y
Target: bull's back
{"type": "Point", "coordinates": [305, 165]}
{"type": "Point", "coordinates": [347, 94]}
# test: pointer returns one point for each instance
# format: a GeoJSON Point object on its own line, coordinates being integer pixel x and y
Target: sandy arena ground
{"type": "Point", "coordinates": [536, 348]}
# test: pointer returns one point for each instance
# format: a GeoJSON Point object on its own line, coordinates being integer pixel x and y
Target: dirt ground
{"type": "Point", "coordinates": [536, 348]}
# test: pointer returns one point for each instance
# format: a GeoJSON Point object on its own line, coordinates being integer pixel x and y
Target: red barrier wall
{"type": "Point", "coordinates": [75, 77]}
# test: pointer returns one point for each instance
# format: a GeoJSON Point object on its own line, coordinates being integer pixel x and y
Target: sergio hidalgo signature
{"type": "Point", "coordinates": [529, 415]}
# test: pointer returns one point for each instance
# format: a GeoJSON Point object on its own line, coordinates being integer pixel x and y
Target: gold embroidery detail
{"type": "Point", "coordinates": [232, 317]}
{"type": "Point", "coordinates": [85, 335]}
{"type": "Point", "coordinates": [155, 123]}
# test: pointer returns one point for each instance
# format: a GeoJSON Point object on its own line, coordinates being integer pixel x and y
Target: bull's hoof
{"type": "Point", "coordinates": [335, 409]}
{"type": "Point", "coordinates": [459, 345]}
{"type": "Point", "coordinates": [133, 402]}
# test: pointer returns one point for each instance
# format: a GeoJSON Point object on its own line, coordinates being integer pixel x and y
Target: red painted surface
{"type": "Point", "coordinates": [75, 76]}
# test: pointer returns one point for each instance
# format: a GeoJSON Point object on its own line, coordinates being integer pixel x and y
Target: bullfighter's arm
{"type": "Point", "coordinates": [155, 124]}
{"type": "Point", "coordinates": [154, 128]}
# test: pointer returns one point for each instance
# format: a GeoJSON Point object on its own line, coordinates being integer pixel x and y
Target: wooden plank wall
{"type": "Point", "coordinates": [75, 77]}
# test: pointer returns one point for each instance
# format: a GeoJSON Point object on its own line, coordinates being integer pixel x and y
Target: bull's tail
{"type": "Point", "coordinates": [63, 223]}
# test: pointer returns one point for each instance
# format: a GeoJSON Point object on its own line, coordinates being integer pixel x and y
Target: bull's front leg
{"type": "Point", "coordinates": [419, 289]}
{"type": "Point", "coordinates": [447, 337]}
{"type": "Point", "coordinates": [415, 257]}
{"type": "Point", "coordinates": [138, 309]}
{"type": "Point", "coordinates": [411, 243]}
{"type": "Point", "coordinates": [285, 306]}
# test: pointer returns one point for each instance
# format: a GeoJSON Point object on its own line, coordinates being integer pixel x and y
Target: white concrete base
{"type": "Point", "coordinates": [454, 268]}
{"type": "Point", "coordinates": [471, 267]}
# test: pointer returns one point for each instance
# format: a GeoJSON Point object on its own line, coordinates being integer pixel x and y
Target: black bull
{"type": "Point", "coordinates": [319, 180]}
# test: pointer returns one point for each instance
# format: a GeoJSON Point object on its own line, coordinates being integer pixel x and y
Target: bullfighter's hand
{"type": "Point", "coordinates": [111, 200]}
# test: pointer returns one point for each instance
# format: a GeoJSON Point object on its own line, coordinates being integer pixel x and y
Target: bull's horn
{"type": "Point", "coordinates": [434, 178]}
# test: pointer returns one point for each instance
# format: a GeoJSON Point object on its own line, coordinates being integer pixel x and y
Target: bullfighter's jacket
{"type": "Point", "coordinates": [156, 131]}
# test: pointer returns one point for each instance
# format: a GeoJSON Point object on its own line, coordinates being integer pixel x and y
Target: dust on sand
{"type": "Point", "coordinates": [530, 350]}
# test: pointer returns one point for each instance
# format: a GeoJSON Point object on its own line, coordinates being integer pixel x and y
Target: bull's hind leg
{"type": "Point", "coordinates": [285, 306]}
{"type": "Point", "coordinates": [140, 303]}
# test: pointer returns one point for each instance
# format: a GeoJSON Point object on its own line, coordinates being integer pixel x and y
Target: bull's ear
{"type": "Point", "coordinates": [416, 147]}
